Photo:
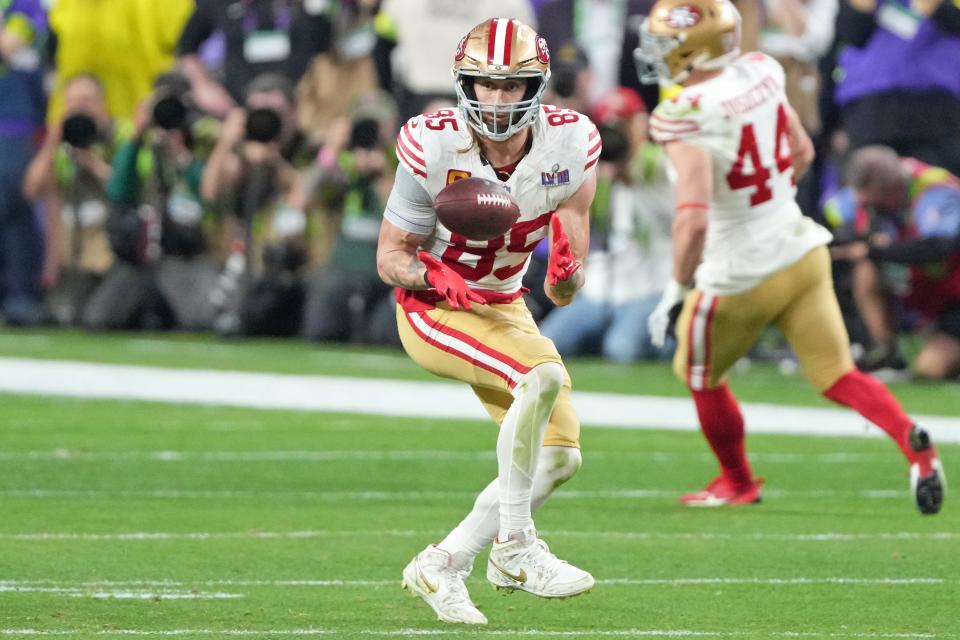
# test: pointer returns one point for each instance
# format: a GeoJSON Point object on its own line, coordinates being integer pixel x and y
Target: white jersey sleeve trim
{"type": "Point", "coordinates": [594, 147]}
{"type": "Point", "coordinates": [409, 149]}
{"type": "Point", "coordinates": [666, 129]}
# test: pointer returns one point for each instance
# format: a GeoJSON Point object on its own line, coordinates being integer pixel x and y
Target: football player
{"type": "Point", "coordinates": [461, 314]}
{"type": "Point", "coordinates": [745, 257]}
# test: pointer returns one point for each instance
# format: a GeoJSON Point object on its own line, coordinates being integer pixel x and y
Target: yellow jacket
{"type": "Point", "coordinates": [125, 43]}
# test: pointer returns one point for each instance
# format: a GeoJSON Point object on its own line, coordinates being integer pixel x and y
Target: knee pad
{"type": "Point", "coordinates": [560, 463]}
{"type": "Point", "coordinates": [546, 379]}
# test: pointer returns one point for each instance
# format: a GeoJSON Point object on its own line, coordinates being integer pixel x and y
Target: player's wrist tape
{"type": "Point", "coordinates": [675, 290]}
{"type": "Point", "coordinates": [691, 205]}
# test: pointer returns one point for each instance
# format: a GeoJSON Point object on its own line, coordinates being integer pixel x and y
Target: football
{"type": "Point", "coordinates": [476, 208]}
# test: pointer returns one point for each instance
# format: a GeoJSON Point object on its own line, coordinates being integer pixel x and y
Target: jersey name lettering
{"type": "Point", "coordinates": [756, 96]}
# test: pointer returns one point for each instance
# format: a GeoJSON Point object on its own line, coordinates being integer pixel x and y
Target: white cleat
{"type": "Point", "coordinates": [432, 576]}
{"type": "Point", "coordinates": [524, 562]}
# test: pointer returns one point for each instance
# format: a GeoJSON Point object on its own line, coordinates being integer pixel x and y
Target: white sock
{"type": "Point", "coordinates": [555, 466]}
{"type": "Point", "coordinates": [519, 443]}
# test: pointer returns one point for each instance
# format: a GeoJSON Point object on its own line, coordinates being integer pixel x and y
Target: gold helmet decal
{"type": "Point", "coordinates": [461, 49]}
{"type": "Point", "coordinates": [683, 17]}
{"type": "Point", "coordinates": [680, 36]}
{"type": "Point", "coordinates": [500, 48]}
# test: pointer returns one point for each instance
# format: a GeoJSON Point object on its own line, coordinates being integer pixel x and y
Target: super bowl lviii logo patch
{"type": "Point", "coordinates": [456, 174]}
{"type": "Point", "coordinates": [555, 177]}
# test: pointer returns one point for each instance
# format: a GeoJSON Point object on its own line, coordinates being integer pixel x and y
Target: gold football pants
{"type": "Point", "coordinates": [490, 348]}
{"type": "Point", "coordinates": [713, 332]}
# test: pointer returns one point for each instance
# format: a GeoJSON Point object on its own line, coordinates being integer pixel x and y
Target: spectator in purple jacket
{"type": "Point", "coordinates": [898, 78]}
{"type": "Point", "coordinates": [22, 27]}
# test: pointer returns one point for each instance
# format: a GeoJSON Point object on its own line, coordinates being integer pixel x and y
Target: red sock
{"type": "Point", "coordinates": [722, 425]}
{"type": "Point", "coordinates": [870, 398]}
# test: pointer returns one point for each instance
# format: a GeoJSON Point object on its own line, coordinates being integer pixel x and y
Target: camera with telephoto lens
{"type": "Point", "coordinates": [569, 61]}
{"type": "Point", "coordinates": [364, 134]}
{"type": "Point", "coordinates": [79, 130]}
{"type": "Point", "coordinates": [173, 107]}
{"type": "Point", "coordinates": [169, 112]}
{"type": "Point", "coordinates": [565, 83]}
{"type": "Point", "coordinates": [263, 125]}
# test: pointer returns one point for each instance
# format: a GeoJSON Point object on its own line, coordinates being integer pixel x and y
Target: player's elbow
{"type": "Point", "coordinates": [383, 269]}
{"type": "Point", "coordinates": [802, 151]}
{"type": "Point", "coordinates": [803, 158]}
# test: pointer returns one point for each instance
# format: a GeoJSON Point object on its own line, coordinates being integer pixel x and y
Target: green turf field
{"type": "Point", "coordinates": [122, 519]}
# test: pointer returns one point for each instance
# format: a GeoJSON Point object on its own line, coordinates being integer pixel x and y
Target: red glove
{"type": "Point", "coordinates": [562, 264]}
{"type": "Point", "coordinates": [448, 283]}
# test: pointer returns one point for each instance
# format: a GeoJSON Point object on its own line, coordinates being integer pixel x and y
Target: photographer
{"type": "Point", "coordinates": [69, 175]}
{"type": "Point", "coordinates": [346, 299]}
{"type": "Point", "coordinates": [630, 243]}
{"type": "Point", "coordinates": [260, 291]}
{"type": "Point", "coordinates": [259, 37]}
{"type": "Point", "coordinates": [898, 223]}
{"type": "Point", "coordinates": [162, 277]}
{"type": "Point", "coordinates": [569, 86]}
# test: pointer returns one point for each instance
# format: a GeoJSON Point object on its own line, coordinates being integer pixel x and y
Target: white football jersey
{"type": "Point", "coordinates": [755, 226]}
{"type": "Point", "coordinates": [437, 149]}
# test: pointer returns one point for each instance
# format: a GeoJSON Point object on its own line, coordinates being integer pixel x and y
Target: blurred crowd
{"type": "Point", "coordinates": [222, 165]}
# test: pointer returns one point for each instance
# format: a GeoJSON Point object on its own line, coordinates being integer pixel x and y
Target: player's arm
{"type": "Point", "coordinates": [801, 147]}
{"type": "Point", "coordinates": [397, 261]}
{"type": "Point", "coordinates": [937, 227]}
{"type": "Point", "coordinates": [694, 188]}
{"type": "Point", "coordinates": [408, 222]}
{"type": "Point", "coordinates": [574, 218]}
{"type": "Point", "coordinates": [693, 166]}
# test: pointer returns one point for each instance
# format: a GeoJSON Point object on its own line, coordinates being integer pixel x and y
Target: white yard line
{"type": "Point", "coordinates": [28, 633]}
{"type": "Point", "coordinates": [413, 496]}
{"type": "Point", "coordinates": [371, 455]}
{"type": "Point", "coordinates": [680, 582]}
{"type": "Point", "coordinates": [117, 594]}
{"type": "Point", "coordinates": [147, 536]}
{"type": "Point", "coordinates": [510, 633]}
{"type": "Point", "coordinates": [387, 455]}
{"type": "Point", "coordinates": [209, 535]}
{"type": "Point", "coordinates": [780, 537]}
{"type": "Point", "coordinates": [401, 398]}
{"type": "Point", "coordinates": [41, 585]}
